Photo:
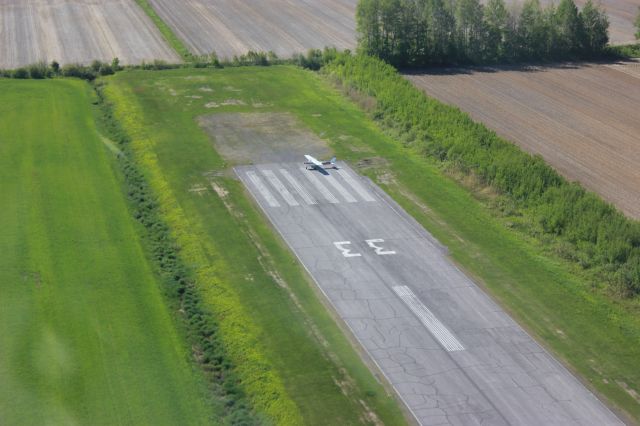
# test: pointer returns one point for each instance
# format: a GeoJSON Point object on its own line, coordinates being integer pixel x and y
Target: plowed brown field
{"type": "Point", "coordinates": [585, 121]}
{"type": "Point", "coordinates": [70, 31]}
{"type": "Point", "coordinates": [231, 27]}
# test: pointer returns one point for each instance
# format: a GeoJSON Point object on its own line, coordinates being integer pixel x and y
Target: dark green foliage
{"type": "Point", "coordinates": [569, 28]}
{"type": "Point", "coordinates": [201, 327]}
{"type": "Point", "coordinates": [427, 32]}
{"type": "Point", "coordinates": [625, 51]}
{"type": "Point", "coordinates": [79, 71]}
{"type": "Point", "coordinates": [20, 73]}
{"type": "Point", "coordinates": [39, 71]}
{"type": "Point", "coordinates": [251, 58]}
{"type": "Point", "coordinates": [42, 70]}
{"type": "Point", "coordinates": [593, 233]}
{"type": "Point", "coordinates": [315, 58]}
{"type": "Point", "coordinates": [595, 28]}
{"type": "Point", "coordinates": [158, 65]}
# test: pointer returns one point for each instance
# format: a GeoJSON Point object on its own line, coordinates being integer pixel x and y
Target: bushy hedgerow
{"type": "Point", "coordinates": [599, 236]}
{"type": "Point", "coordinates": [201, 327]}
{"type": "Point", "coordinates": [41, 70]}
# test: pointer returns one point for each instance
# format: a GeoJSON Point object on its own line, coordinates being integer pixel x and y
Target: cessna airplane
{"type": "Point", "coordinates": [321, 166]}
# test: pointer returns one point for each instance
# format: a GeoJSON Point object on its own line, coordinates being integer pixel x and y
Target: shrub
{"type": "Point", "coordinates": [21, 73]}
{"type": "Point", "coordinates": [79, 71]}
{"type": "Point", "coordinates": [39, 70]}
{"type": "Point", "coordinates": [598, 234]}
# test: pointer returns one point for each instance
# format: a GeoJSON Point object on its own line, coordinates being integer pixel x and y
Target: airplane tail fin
{"type": "Point", "coordinates": [333, 160]}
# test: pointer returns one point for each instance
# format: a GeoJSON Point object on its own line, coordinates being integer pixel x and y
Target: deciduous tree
{"type": "Point", "coordinates": [596, 28]}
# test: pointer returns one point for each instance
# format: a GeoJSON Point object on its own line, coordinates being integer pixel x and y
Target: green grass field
{"type": "Point", "coordinates": [294, 362]}
{"type": "Point", "coordinates": [86, 337]}
{"type": "Point", "coordinates": [597, 338]}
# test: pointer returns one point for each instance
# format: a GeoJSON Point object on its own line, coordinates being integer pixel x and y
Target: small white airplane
{"type": "Point", "coordinates": [321, 166]}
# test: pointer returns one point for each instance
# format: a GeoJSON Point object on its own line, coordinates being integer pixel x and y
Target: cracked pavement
{"type": "Point", "coordinates": [501, 377]}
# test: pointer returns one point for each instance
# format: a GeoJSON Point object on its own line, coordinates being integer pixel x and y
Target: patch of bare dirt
{"type": "Point", "coordinates": [254, 138]}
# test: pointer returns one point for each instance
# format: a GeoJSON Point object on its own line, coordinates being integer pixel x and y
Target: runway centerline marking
{"type": "Point", "coordinates": [266, 194]}
{"type": "Point", "coordinates": [347, 196]}
{"type": "Point", "coordinates": [356, 185]}
{"type": "Point", "coordinates": [279, 186]}
{"type": "Point", "coordinates": [302, 192]}
{"type": "Point", "coordinates": [315, 181]}
{"type": "Point", "coordinates": [428, 319]}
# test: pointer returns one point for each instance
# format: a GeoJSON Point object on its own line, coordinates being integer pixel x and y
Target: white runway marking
{"type": "Point", "coordinates": [356, 185]}
{"type": "Point", "coordinates": [433, 324]}
{"type": "Point", "coordinates": [315, 181]}
{"type": "Point", "coordinates": [257, 182]}
{"type": "Point", "coordinates": [346, 252]}
{"type": "Point", "coordinates": [347, 196]}
{"type": "Point", "coordinates": [277, 184]}
{"type": "Point", "coordinates": [380, 251]}
{"type": "Point", "coordinates": [299, 188]}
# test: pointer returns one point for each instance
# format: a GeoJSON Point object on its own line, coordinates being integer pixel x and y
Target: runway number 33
{"type": "Point", "coordinates": [375, 244]}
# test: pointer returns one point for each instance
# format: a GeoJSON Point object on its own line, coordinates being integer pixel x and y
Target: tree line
{"type": "Point", "coordinates": [583, 228]}
{"type": "Point", "coordinates": [435, 32]}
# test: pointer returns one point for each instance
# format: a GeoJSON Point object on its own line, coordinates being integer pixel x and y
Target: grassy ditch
{"type": "Point", "coordinates": [200, 327]}
{"type": "Point", "coordinates": [86, 336]}
{"type": "Point", "coordinates": [291, 359]}
{"type": "Point", "coordinates": [506, 240]}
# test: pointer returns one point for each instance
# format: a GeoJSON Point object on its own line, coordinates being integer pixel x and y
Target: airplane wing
{"type": "Point", "coordinates": [313, 161]}
{"type": "Point", "coordinates": [318, 165]}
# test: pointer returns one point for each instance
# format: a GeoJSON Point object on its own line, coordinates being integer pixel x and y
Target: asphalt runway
{"type": "Point", "coordinates": [452, 354]}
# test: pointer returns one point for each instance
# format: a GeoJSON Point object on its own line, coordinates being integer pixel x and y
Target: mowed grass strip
{"type": "Point", "coordinates": [597, 337]}
{"type": "Point", "coordinates": [85, 337]}
{"type": "Point", "coordinates": [295, 362]}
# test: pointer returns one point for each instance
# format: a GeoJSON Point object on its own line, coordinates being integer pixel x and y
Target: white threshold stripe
{"type": "Point", "coordinates": [278, 185]}
{"type": "Point", "coordinates": [355, 185]}
{"type": "Point", "coordinates": [315, 181]}
{"type": "Point", "coordinates": [302, 192]}
{"type": "Point", "coordinates": [433, 324]}
{"type": "Point", "coordinates": [257, 182]}
{"type": "Point", "coordinates": [347, 196]}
